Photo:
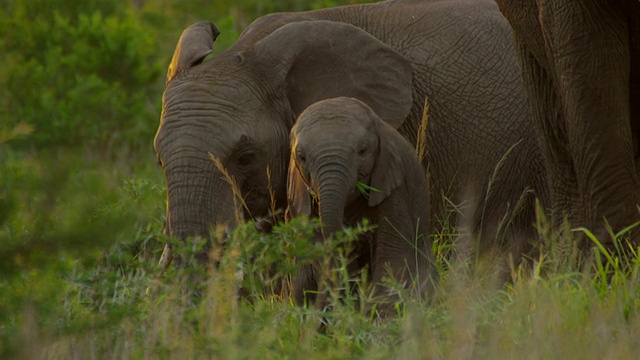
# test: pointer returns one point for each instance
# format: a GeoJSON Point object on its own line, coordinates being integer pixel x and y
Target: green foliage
{"type": "Point", "coordinates": [83, 75]}
{"type": "Point", "coordinates": [122, 305]}
{"type": "Point", "coordinates": [365, 189]}
{"type": "Point", "coordinates": [60, 202]}
{"type": "Point", "coordinates": [60, 213]}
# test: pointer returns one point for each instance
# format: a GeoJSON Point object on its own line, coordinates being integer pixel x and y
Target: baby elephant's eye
{"type": "Point", "coordinates": [301, 157]}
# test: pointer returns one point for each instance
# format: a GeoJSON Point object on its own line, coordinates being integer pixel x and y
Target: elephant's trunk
{"type": "Point", "coordinates": [335, 184]}
{"type": "Point", "coordinates": [199, 199]}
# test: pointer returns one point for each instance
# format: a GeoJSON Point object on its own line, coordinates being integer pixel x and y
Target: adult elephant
{"type": "Point", "coordinates": [581, 66]}
{"type": "Point", "coordinates": [239, 107]}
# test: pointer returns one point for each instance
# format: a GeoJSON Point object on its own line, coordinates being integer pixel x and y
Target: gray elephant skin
{"type": "Point", "coordinates": [336, 144]}
{"type": "Point", "coordinates": [580, 61]}
{"type": "Point", "coordinates": [240, 106]}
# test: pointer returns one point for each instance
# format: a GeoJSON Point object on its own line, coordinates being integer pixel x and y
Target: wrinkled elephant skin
{"type": "Point", "coordinates": [239, 107]}
{"type": "Point", "coordinates": [580, 61]}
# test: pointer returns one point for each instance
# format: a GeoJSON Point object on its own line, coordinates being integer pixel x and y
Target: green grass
{"type": "Point", "coordinates": [81, 237]}
{"type": "Point", "coordinates": [365, 189]}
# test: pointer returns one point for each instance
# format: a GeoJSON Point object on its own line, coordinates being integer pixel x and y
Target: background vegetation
{"type": "Point", "coordinates": [82, 211]}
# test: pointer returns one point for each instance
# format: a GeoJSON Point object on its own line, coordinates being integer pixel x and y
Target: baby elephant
{"type": "Point", "coordinates": [337, 146]}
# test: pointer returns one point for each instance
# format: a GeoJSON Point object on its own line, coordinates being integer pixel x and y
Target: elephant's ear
{"type": "Point", "coordinates": [318, 60]}
{"type": "Point", "coordinates": [299, 198]}
{"type": "Point", "coordinates": [196, 42]}
{"type": "Point", "coordinates": [388, 171]}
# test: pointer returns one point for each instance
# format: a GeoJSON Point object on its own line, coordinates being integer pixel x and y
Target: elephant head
{"type": "Point", "coordinates": [336, 144]}
{"type": "Point", "coordinates": [239, 107]}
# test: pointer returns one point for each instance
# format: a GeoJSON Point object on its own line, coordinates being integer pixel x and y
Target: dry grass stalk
{"type": "Point", "coordinates": [234, 187]}
{"type": "Point", "coordinates": [421, 142]}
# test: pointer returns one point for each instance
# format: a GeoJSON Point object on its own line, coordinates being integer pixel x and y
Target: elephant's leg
{"type": "Point", "coordinates": [399, 257]}
{"type": "Point", "coordinates": [634, 83]}
{"type": "Point", "coordinates": [383, 297]}
{"type": "Point", "coordinates": [590, 56]}
{"type": "Point", "coordinates": [634, 115]}
{"type": "Point", "coordinates": [550, 131]}
{"type": "Point", "coordinates": [305, 286]}
{"type": "Point", "coordinates": [634, 93]}
{"type": "Point", "coordinates": [313, 283]}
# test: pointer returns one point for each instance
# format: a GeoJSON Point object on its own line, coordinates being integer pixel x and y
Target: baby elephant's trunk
{"type": "Point", "coordinates": [335, 185]}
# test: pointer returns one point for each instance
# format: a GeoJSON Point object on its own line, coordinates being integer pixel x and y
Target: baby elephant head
{"type": "Point", "coordinates": [341, 151]}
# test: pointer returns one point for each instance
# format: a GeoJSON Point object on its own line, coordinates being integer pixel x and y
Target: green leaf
{"type": "Point", "coordinates": [364, 188]}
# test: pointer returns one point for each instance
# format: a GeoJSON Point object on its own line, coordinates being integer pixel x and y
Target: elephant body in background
{"type": "Point", "coordinates": [581, 67]}
{"type": "Point", "coordinates": [239, 107]}
{"type": "Point", "coordinates": [337, 144]}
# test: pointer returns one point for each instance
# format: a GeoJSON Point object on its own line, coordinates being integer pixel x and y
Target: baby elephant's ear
{"type": "Point", "coordinates": [195, 43]}
{"type": "Point", "coordinates": [388, 171]}
{"type": "Point", "coordinates": [299, 198]}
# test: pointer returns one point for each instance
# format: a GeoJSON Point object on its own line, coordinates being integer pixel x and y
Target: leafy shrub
{"type": "Point", "coordinates": [68, 224]}
{"type": "Point", "coordinates": [80, 77]}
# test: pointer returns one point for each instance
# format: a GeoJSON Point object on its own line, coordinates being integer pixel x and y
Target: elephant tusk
{"type": "Point", "coordinates": [166, 257]}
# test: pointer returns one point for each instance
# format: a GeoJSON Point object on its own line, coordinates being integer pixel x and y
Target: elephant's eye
{"type": "Point", "coordinates": [245, 160]}
{"type": "Point", "coordinates": [302, 158]}
{"type": "Point", "coordinates": [362, 149]}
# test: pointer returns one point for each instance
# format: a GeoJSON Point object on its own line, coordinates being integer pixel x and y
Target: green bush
{"type": "Point", "coordinates": [69, 227]}
{"type": "Point", "coordinates": [79, 76]}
